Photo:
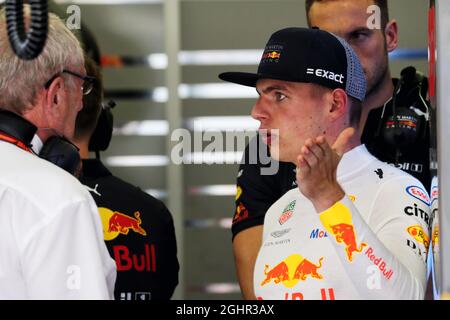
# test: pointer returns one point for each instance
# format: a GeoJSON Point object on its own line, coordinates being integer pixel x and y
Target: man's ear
{"type": "Point", "coordinates": [338, 104]}
{"type": "Point", "coordinates": [391, 35]}
{"type": "Point", "coordinates": [55, 93]}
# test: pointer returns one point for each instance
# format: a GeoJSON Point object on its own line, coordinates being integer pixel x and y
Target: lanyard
{"type": "Point", "coordinates": [15, 141]}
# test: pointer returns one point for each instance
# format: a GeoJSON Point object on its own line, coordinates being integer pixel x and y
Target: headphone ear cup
{"type": "Point", "coordinates": [62, 153]}
{"type": "Point", "coordinates": [404, 130]}
{"type": "Point", "coordinates": [102, 135]}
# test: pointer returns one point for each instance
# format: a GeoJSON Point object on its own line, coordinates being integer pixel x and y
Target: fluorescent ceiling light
{"type": "Point", "coordinates": [198, 124]}
{"type": "Point", "coordinates": [157, 193]}
{"type": "Point", "coordinates": [210, 190]}
{"type": "Point", "coordinates": [227, 157]}
{"type": "Point", "coordinates": [220, 57]}
{"type": "Point", "coordinates": [222, 123]}
{"type": "Point", "coordinates": [159, 61]}
{"type": "Point", "coordinates": [137, 161]}
{"type": "Point", "coordinates": [213, 190]}
{"type": "Point", "coordinates": [224, 223]}
{"type": "Point", "coordinates": [143, 128]}
{"type": "Point", "coordinates": [216, 91]}
{"type": "Point", "coordinates": [250, 57]}
{"type": "Point", "coordinates": [207, 91]}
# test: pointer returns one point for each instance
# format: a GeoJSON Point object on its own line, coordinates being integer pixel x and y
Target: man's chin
{"type": "Point", "coordinates": [280, 157]}
{"type": "Point", "coordinates": [275, 154]}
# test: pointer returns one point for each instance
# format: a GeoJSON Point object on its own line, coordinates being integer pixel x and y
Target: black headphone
{"type": "Point", "coordinates": [101, 137]}
{"type": "Point", "coordinates": [57, 149]}
{"type": "Point", "coordinates": [407, 124]}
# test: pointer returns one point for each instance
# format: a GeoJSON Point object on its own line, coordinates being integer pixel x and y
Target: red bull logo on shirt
{"type": "Point", "coordinates": [380, 263]}
{"type": "Point", "coordinates": [241, 213]}
{"type": "Point", "coordinates": [115, 223]}
{"type": "Point", "coordinates": [345, 233]}
{"type": "Point", "coordinates": [127, 260]}
{"type": "Point", "coordinates": [293, 269]}
{"type": "Point", "coordinates": [338, 222]}
{"type": "Point", "coordinates": [238, 193]}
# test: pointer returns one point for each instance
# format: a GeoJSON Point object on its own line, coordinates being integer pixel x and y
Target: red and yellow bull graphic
{"type": "Point", "coordinates": [238, 193]}
{"type": "Point", "coordinates": [418, 234]}
{"type": "Point", "coordinates": [115, 223]}
{"type": "Point", "coordinates": [271, 55]}
{"type": "Point", "coordinates": [338, 222]}
{"type": "Point", "coordinates": [293, 269]}
{"type": "Point", "coordinates": [402, 123]}
{"type": "Point", "coordinates": [241, 213]}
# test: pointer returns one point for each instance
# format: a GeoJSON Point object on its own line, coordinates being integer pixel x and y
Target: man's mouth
{"type": "Point", "coordinates": [266, 136]}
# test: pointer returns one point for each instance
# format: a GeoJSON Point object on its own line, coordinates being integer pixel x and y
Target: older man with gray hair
{"type": "Point", "coordinates": [51, 243]}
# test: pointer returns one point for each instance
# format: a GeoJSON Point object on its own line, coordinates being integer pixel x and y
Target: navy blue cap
{"type": "Point", "coordinates": [309, 56]}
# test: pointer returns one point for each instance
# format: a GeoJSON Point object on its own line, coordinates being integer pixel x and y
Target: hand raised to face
{"type": "Point", "coordinates": [316, 169]}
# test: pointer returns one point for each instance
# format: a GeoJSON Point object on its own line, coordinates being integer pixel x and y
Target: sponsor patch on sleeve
{"type": "Point", "coordinates": [419, 194]}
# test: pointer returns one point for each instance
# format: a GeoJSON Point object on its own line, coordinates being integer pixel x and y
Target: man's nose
{"type": "Point", "coordinates": [259, 111]}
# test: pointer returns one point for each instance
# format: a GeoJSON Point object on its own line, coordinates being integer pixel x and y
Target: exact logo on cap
{"type": "Point", "coordinates": [326, 74]}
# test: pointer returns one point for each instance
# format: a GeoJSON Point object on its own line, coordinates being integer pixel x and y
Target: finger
{"type": "Point", "coordinates": [316, 148]}
{"type": "Point", "coordinates": [323, 144]}
{"type": "Point", "coordinates": [342, 142]}
{"type": "Point", "coordinates": [302, 167]}
{"type": "Point", "coordinates": [309, 156]}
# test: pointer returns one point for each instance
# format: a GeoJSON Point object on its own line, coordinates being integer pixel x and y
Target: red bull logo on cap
{"type": "Point", "coordinates": [115, 223]}
{"type": "Point", "coordinates": [293, 269]}
{"type": "Point", "coordinates": [271, 55]}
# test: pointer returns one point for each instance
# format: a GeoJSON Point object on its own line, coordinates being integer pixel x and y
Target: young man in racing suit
{"type": "Point", "coordinates": [344, 233]}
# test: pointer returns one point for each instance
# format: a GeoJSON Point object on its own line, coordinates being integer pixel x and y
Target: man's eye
{"type": "Point", "coordinates": [359, 36]}
{"type": "Point", "coordinates": [279, 96]}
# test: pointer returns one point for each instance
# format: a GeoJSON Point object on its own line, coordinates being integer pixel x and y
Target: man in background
{"type": "Point", "coordinates": [137, 228]}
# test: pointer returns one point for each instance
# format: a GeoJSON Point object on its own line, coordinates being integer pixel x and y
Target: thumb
{"type": "Point", "coordinates": [340, 146]}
